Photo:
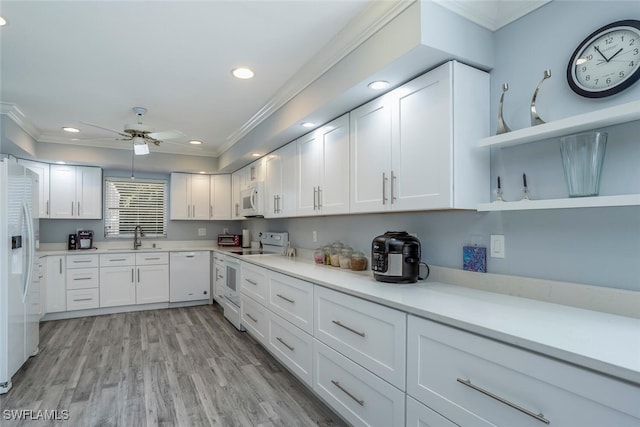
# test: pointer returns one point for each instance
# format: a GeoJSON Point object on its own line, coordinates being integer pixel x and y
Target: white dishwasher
{"type": "Point", "coordinates": [189, 276]}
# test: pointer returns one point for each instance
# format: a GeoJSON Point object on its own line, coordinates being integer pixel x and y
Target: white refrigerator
{"type": "Point", "coordinates": [19, 283]}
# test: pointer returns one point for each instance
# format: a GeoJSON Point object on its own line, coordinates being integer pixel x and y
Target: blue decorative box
{"type": "Point", "coordinates": [474, 258]}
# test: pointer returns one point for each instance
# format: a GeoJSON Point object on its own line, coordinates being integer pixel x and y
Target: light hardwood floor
{"type": "Point", "coordinates": [173, 367]}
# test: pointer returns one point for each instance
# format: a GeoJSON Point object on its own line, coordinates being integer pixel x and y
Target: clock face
{"type": "Point", "coordinates": [606, 62]}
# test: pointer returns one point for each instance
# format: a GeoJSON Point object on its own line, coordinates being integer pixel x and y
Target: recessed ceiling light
{"type": "Point", "coordinates": [3, 21]}
{"type": "Point", "coordinates": [60, 163]}
{"type": "Point", "coordinates": [307, 124]}
{"type": "Point", "coordinates": [379, 84]}
{"type": "Point", "coordinates": [195, 142]}
{"type": "Point", "coordinates": [242, 73]}
{"type": "Point", "coordinates": [202, 172]}
{"type": "Point", "coordinates": [70, 129]}
{"type": "Point", "coordinates": [256, 155]}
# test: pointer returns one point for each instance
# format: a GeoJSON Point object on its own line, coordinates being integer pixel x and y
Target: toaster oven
{"type": "Point", "coordinates": [229, 240]}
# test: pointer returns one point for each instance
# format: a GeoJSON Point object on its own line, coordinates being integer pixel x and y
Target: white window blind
{"type": "Point", "coordinates": [135, 202]}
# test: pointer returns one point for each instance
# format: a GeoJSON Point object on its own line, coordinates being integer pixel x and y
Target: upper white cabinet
{"type": "Point", "coordinates": [415, 148]}
{"type": "Point", "coordinates": [323, 169]}
{"type": "Point", "coordinates": [280, 188]}
{"type": "Point", "coordinates": [75, 192]}
{"type": "Point", "coordinates": [220, 197]}
{"type": "Point", "coordinates": [189, 196]}
{"type": "Point", "coordinates": [236, 187]}
{"type": "Point", "coordinates": [42, 169]}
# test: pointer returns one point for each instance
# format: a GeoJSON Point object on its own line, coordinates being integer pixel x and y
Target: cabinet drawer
{"type": "Point", "coordinates": [152, 258]}
{"type": "Point", "coordinates": [370, 334]}
{"type": "Point", "coordinates": [83, 278]}
{"type": "Point", "coordinates": [360, 397]}
{"type": "Point", "coordinates": [292, 299]}
{"type": "Point", "coordinates": [255, 318]}
{"type": "Point", "coordinates": [79, 299]}
{"type": "Point", "coordinates": [449, 369]}
{"type": "Point", "coordinates": [419, 415]}
{"type": "Point", "coordinates": [117, 260]}
{"type": "Point", "coordinates": [82, 261]}
{"type": "Point", "coordinates": [254, 282]}
{"type": "Point", "coordinates": [292, 346]}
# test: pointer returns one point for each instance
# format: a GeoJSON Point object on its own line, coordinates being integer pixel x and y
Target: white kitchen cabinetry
{"type": "Point", "coordinates": [56, 283]}
{"type": "Point", "coordinates": [220, 197]}
{"type": "Point", "coordinates": [475, 381]}
{"type": "Point", "coordinates": [292, 299]}
{"type": "Point", "coordinates": [117, 279]}
{"type": "Point", "coordinates": [254, 282]}
{"type": "Point", "coordinates": [189, 276]}
{"type": "Point", "coordinates": [292, 346]}
{"type": "Point", "coordinates": [75, 192]}
{"type": "Point", "coordinates": [360, 397]}
{"type": "Point", "coordinates": [280, 188]}
{"type": "Point", "coordinates": [219, 277]}
{"type": "Point", "coordinates": [323, 169]}
{"type": "Point", "coordinates": [83, 281]}
{"type": "Point", "coordinates": [413, 148]}
{"type": "Point", "coordinates": [255, 318]}
{"type": "Point", "coordinates": [42, 169]}
{"type": "Point", "coordinates": [189, 196]}
{"type": "Point", "coordinates": [152, 277]}
{"type": "Point", "coordinates": [236, 188]}
{"type": "Point", "coordinates": [419, 415]}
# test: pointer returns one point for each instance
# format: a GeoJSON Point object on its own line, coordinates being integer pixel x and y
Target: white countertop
{"type": "Point", "coordinates": [603, 342]}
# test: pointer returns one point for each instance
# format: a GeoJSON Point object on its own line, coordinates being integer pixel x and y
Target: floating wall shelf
{"type": "Point", "coordinates": [581, 123]}
{"type": "Point", "coordinates": [578, 202]}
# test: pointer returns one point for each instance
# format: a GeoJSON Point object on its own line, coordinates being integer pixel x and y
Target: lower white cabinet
{"type": "Point", "coordinates": [82, 282]}
{"type": "Point", "coordinates": [55, 283]}
{"type": "Point", "coordinates": [419, 415]}
{"type": "Point", "coordinates": [292, 346]}
{"type": "Point", "coordinates": [475, 381]}
{"type": "Point", "coordinates": [363, 399]}
{"type": "Point", "coordinates": [189, 276]}
{"type": "Point", "coordinates": [254, 282]}
{"type": "Point", "coordinates": [218, 277]}
{"type": "Point", "coordinates": [152, 283]}
{"type": "Point", "coordinates": [117, 286]}
{"type": "Point", "coordinates": [292, 299]}
{"type": "Point", "coordinates": [82, 299]}
{"type": "Point", "coordinates": [255, 318]}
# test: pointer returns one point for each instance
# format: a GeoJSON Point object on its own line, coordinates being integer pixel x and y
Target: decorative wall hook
{"type": "Point", "coordinates": [502, 126]}
{"type": "Point", "coordinates": [535, 118]}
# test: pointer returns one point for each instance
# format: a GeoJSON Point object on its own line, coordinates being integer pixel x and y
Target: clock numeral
{"type": "Point", "coordinates": [632, 42]}
{"type": "Point", "coordinates": [621, 75]}
{"type": "Point", "coordinates": [596, 82]}
{"type": "Point", "coordinates": [608, 40]}
{"type": "Point", "coordinates": [584, 68]}
{"type": "Point", "coordinates": [631, 64]}
{"type": "Point", "coordinates": [589, 57]}
{"type": "Point", "coordinates": [635, 51]}
{"type": "Point", "coordinates": [587, 77]}
{"type": "Point", "coordinates": [608, 80]}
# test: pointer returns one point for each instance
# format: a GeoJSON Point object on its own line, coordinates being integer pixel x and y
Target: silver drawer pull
{"type": "Point", "coordinates": [82, 299]}
{"type": "Point", "coordinates": [286, 299]}
{"type": "Point", "coordinates": [358, 401]}
{"type": "Point", "coordinates": [252, 318]}
{"type": "Point", "coordinates": [252, 282]}
{"type": "Point", "coordinates": [117, 259]}
{"type": "Point", "coordinates": [82, 278]}
{"type": "Point", "coordinates": [337, 322]}
{"type": "Point", "coordinates": [539, 417]}
{"type": "Point", "coordinates": [285, 344]}
{"type": "Point", "coordinates": [81, 261]}
{"type": "Point", "coordinates": [152, 259]}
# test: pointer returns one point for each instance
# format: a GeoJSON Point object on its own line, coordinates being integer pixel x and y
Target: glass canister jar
{"type": "Point", "coordinates": [358, 261]}
{"type": "Point", "coordinates": [345, 257]}
{"type": "Point", "coordinates": [335, 257]}
{"type": "Point", "coordinates": [318, 256]}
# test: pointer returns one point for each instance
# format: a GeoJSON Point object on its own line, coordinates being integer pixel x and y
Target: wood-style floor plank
{"type": "Point", "coordinates": [175, 367]}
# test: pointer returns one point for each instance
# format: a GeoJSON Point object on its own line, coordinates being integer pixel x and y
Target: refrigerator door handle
{"type": "Point", "coordinates": [31, 251]}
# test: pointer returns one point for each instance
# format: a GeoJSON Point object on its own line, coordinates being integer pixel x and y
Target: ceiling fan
{"type": "Point", "coordinates": [140, 134]}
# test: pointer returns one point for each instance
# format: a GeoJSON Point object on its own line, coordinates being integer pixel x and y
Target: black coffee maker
{"type": "Point", "coordinates": [71, 243]}
{"type": "Point", "coordinates": [395, 257]}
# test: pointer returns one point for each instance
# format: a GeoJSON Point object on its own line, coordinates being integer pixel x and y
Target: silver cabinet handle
{"type": "Point", "coordinates": [384, 188]}
{"type": "Point", "coordinates": [279, 204]}
{"type": "Point", "coordinates": [237, 209]}
{"type": "Point", "coordinates": [252, 318]}
{"type": "Point", "coordinates": [138, 275]}
{"type": "Point", "coordinates": [81, 261]}
{"type": "Point", "coordinates": [60, 265]}
{"type": "Point", "coordinates": [393, 180]}
{"type": "Point", "coordinates": [47, 207]}
{"type": "Point", "coordinates": [71, 208]}
{"type": "Point", "coordinates": [286, 299]}
{"type": "Point", "coordinates": [193, 211]}
{"type": "Point", "coordinates": [82, 278]}
{"type": "Point", "coordinates": [83, 299]}
{"type": "Point", "coordinates": [345, 391]}
{"type": "Point", "coordinates": [539, 417]}
{"type": "Point", "coordinates": [132, 275]}
{"type": "Point", "coordinates": [78, 208]}
{"type": "Point", "coordinates": [252, 282]}
{"type": "Point", "coordinates": [210, 211]}
{"type": "Point", "coordinates": [275, 206]}
{"type": "Point", "coordinates": [117, 259]}
{"type": "Point", "coordinates": [152, 259]}
{"type": "Point", "coordinates": [189, 256]}
{"type": "Point", "coordinates": [285, 344]}
{"type": "Point", "coordinates": [319, 198]}
{"type": "Point", "coordinates": [337, 322]}
{"type": "Point", "coordinates": [315, 206]}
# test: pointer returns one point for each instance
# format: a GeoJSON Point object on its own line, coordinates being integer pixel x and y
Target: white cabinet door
{"type": "Point", "coordinates": [62, 191]}
{"type": "Point", "coordinates": [218, 277]}
{"type": "Point", "coordinates": [309, 170]}
{"type": "Point", "coordinates": [55, 277]}
{"type": "Point", "coordinates": [236, 187]}
{"type": "Point", "coordinates": [42, 169]}
{"type": "Point", "coordinates": [273, 183]}
{"type": "Point", "coordinates": [117, 286]}
{"type": "Point", "coordinates": [220, 197]}
{"type": "Point", "coordinates": [180, 198]}
{"type": "Point", "coordinates": [333, 197]}
{"type": "Point", "coordinates": [421, 167]}
{"type": "Point", "coordinates": [370, 155]}
{"type": "Point", "coordinates": [200, 197]}
{"type": "Point", "coordinates": [88, 192]}
{"type": "Point", "coordinates": [152, 283]}
{"type": "Point", "coordinates": [280, 187]}
{"type": "Point", "coordinates": [419, 415]}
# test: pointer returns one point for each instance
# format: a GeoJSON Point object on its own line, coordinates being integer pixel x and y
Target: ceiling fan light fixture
{"type": "Point", "coordinates": [140, 148]}
{"type": "Point", "coordinates": [70, 129]}
{"type": "Point", "coordinates": [242, 73]}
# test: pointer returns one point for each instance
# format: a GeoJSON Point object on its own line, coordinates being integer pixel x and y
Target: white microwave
{"type": "Point", "coordinates": [252, 200]}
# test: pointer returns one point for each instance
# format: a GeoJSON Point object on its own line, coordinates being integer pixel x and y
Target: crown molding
{"type": "Point", "coordinates": [492, 14]}
{"type": "Point", "coordinates": [14, 113]}
{"type": "Point", "coordinates": [375, 16]}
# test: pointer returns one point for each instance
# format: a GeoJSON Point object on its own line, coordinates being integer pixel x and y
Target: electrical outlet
{"type": "Point", "coordinates": [476, 240]}
{"type": "Point", "coordinates": [315, 236]}
{"type": "Point", "coordinates": [202, 231]}
{"type": "Point", "coordinates": [497, 245]}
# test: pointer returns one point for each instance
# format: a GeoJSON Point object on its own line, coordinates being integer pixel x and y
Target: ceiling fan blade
{"type": "Point", "coordinates": [104, 128]}
{"type": "Point", "coordinates": [168, 134]}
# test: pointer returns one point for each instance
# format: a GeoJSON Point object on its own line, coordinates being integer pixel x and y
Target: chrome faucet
{"type": "Point", "coordinates": [137, 235]}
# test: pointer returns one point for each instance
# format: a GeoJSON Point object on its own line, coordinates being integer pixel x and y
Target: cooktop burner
{"type": "Point", "coordinates": [249, 252]}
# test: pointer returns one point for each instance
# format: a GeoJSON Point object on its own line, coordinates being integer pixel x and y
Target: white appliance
{"type": "Point", "coordinates": [189, 276]}
{"type": "Point", "coordinates": [19, 283]}
{"type": "Point", "coordinates": [272, 243]}
{"type": "Point", "coordinates": [252, 200]}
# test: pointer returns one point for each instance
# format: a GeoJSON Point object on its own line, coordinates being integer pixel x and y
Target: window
{"type": "Point", "coordinates": [135, 202]}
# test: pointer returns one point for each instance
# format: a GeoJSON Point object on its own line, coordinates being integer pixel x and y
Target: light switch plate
{"type": "Point", "coordinates": [497, 245]}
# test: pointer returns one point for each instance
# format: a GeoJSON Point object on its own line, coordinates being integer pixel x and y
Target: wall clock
{"type": "Point", "coordinates": [607, 61]}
